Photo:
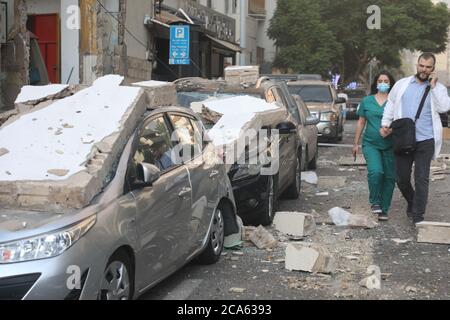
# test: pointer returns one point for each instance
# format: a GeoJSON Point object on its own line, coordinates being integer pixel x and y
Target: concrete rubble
{"type": "Point", "coordinates": [331, 182]}
{"type": "Point", "coordinates": [56, 194]}
{"type": "Point", "coordinates": [373, 281]}
{"type": "Point", "coordinates": [296, 224]}
{"type": "Point", "coordinates": [433, 232]}
{"type": "Point", "coordinates": [241, 74]}
{"type": "Point", "coordinates": [309, 258]}
{"type": "Point", "coordinates": [310, 177]}
{"type": "Point", "coordinates": [343, 218]}
{"type": "Point", "coordinates": [262, 238]}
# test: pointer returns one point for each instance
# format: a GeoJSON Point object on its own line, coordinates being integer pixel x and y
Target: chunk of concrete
{"type": "Point", "coordinates": [310, 177]}
{"type": "Point", "coordinates": [433, 232]}
{"type": "Point", "coordinates": [3, 151]}
{"type": "Point", "coordinates": [331, 182]}
{"type": "Point", "coordinates": [343, 218]}
{"type": "Point", "coordinates": [295, 223]}
{"type": "Point", "coordinates": [309, 258]}
{"type": "Point", "coordinates": [262, 238]}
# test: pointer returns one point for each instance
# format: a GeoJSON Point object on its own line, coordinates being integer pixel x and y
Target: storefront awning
{"type": "Point", "coordinates": [225, 44]}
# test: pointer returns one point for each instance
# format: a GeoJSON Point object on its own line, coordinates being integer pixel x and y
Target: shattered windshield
{"type": "Point", "coordinates": [312, 93]}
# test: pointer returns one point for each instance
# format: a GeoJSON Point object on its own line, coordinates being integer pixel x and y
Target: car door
{"type": "Point", "coordinates": [203, 174]}
{"type": "Point", "coordinates": [162, 209]}
{"type": "Point", "coordinates": [287, 145]}
{"type": "Point", "coordinates": [309, 132]}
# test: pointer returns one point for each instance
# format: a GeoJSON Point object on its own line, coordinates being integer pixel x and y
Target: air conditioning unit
{"type": "Point", "coordinates": [3, 21]}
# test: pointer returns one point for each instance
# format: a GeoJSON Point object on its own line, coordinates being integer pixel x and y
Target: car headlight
{"type": "Point", "coordinates": [246, 170]}
{"type": "Point", "coordinates": [46, 245]}
{"type": "Point", "coordinates": [328, 116]}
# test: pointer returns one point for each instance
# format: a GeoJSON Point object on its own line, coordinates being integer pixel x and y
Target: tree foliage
{"type": "Point", "coordinates": [405, 24]}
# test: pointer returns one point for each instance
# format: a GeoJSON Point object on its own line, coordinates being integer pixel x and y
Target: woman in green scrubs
{"type": "Point", "coordinates": [376, 149]}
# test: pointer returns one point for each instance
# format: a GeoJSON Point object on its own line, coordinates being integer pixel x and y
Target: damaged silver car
{"type": "Point", "coordinates": [154, 216]}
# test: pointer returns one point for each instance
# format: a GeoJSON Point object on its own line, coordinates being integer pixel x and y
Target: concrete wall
{"type": "Point", "coordinates": [136, 11]}
{"type": "Point", "coordinates": [43, 6]}
{"type": "Point", "coordinates": [263, 40]}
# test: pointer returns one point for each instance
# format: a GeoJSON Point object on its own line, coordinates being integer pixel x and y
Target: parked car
{"type": "Point", "coordinates": [154, 216]}
{"type": "Point", "coordinates": [255, 194]}
{"type": "Point", "coordinates": [355, 98]}
{"type": "Point", "coordinates": [308, 134]}
{"type": "Point", "coordinates": [323, 103]}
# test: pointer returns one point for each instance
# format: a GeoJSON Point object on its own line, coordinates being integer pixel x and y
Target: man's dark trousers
{"type": "Point", "coordinates": [422, 156]}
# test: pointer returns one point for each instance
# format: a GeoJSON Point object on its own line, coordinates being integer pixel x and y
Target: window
{"type": "Point", "coordinates": [209, 3]}
{"type": "Point", "coordinates": [154, 146]}
{"type": "Point", "coordinates": [187, 140]}
{"type": "Point", "coordinates": [313, 93]}
{"type": "Point", "coordinates": [234, 6]}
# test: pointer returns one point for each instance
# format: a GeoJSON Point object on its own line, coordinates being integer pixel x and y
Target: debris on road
{"type": "Point", "coordinates": [247, 231]}
{"type": "Point", "coordinates": [343, 218]}
{"type": "Point", "coordinates": [263, 239]}
{"type": "Point", "coordinates": [433, 232]}
{"type": "Point", "coordinates": [373, 281]}
{"type": "Point", "coordinates": [295, 224]}
{"type": "Point", "coordinates": [237, 290]}
{"type": "Point", "coordinates": [402, 241]}
{"type": "Point", "coordinates": [331, 182]}
{"type": "Point", "coordinates": [411, 289]}
{"type": "Point", "coordinates": [322, 194]}
{"type": "Point", "coordinates": [310, 177]}
{"type": "Point", "coordinates": [309, 258]}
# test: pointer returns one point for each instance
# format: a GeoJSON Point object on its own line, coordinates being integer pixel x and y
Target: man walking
{"type": "Point", "coordinates": [403, 102]}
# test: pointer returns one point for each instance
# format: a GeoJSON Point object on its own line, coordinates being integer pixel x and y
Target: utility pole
{"type": "Point", "coordinates": [243, 31]}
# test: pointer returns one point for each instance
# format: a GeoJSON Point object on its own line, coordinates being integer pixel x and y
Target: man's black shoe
{"type": "Point", "coordinates": [383, 217]}
{"type": "Point", "coordinates": [418, 219]}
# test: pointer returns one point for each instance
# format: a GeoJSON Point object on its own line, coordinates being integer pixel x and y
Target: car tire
{"type": "Point", "coordinates": [118, 278]}
{"type": "Point", "coordinates": [312, 165]}
{"type": "Point", "coordinates": [266, 215]}
{"type": "Point", "coordinates": [214, 248]}
{"type": "Point", "coordinates": [304, 165]}
{"type": "Point", "coordinates": [293, 191]}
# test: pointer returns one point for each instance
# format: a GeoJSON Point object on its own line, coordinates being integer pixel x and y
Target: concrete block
{"type": "Point", "coordinates": [295, 223]}
{"type": "Point", "coordinates": [350, 161]}
{"type": "Point", "coordinates": [331, 182]}
{"type": "Point", "coordinates": [263, 239]}
{"type": "Point", "coordinates": [309, 258]}
{"type": "Point", "coordinates": [433, 232]}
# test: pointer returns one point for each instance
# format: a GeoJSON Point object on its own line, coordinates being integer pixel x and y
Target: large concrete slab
{"type": "Point", "coordinates": [37, 177]}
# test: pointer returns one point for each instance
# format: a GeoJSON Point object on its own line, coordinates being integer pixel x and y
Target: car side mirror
{"type": "Point", "coordinates": [147, 174]}
{"type": "Point", "coordinates": [312, 121]}
{"type": "Point", "coordinates": [286, 128]}
{"type": "Point", "coordinates": [340, 100]}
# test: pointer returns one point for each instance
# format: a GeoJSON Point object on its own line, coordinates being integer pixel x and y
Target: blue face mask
{"type": "Point", "coordinates": [383, 87]}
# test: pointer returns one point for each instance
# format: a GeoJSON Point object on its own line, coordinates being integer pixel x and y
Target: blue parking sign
{"type": "Point", "coordinates": [179, 45]}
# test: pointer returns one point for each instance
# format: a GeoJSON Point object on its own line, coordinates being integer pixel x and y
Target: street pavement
{"type": "Point", "coordinates": [409, 270]}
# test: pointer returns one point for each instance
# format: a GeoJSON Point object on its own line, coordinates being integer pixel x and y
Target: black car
{"type": "Point", "coordinates": [255, 194]}
{"type": "Point", "coordinates": [354, 100]}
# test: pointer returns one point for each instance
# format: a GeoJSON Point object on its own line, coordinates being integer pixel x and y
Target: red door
{"type": "Point", "coordinates": [45, 27]}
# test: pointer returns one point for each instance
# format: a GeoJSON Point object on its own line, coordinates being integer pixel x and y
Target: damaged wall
{"type": "Point", "coordinates": [106, 47]}
{"type": "Point", "coordinates": [15, 57]}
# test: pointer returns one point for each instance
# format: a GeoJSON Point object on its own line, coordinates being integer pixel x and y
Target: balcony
{"type": "Point", "coordinates": [257, 9]}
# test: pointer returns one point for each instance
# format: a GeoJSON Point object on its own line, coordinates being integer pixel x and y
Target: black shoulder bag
{"type": "Point", "coordinates": [404, 130]}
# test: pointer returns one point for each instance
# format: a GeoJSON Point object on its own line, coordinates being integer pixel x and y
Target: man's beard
{"type": "Point", "coordinates": [418, 76]}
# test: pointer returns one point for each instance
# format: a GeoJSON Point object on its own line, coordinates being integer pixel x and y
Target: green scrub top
{"type": "Point", "coordinates": [373, 113]}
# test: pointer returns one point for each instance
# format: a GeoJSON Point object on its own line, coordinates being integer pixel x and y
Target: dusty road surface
{"type": "Point", "coordinates": [409, 270]}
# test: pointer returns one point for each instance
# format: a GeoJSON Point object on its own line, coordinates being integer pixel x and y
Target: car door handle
{"type": "Point", "coordinates": [214, 174]}
{"type": "Point", "coordinates": [185, 193]}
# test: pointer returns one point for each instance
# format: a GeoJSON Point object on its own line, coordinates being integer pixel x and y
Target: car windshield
{"type": "Point", "coordinates": [312, 93]}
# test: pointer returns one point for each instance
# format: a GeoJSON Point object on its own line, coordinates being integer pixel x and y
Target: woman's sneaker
{"type": "Point", "coordinates": [376, 209]}
{"type": "Point", "coordinates": [383, 216]}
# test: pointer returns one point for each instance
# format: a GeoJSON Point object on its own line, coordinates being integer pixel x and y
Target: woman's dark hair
{"type": "Point", "coordinates": [374, 88]}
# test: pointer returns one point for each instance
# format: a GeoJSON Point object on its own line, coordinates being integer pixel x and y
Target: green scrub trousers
{"type": "Point", "coordinates": [379, 155]}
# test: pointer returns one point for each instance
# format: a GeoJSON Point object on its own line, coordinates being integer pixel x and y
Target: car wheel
{"type": "Point", "coordinates": [265, 217]}
{"type": "Point", "coordinates": [214, 248]}
{"type": "Point", "coordinates": [293, 191]}
{"type": "Point", "coordinates": [313, 163]}
{"type": "Point", "coordinates": [118, 281]}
